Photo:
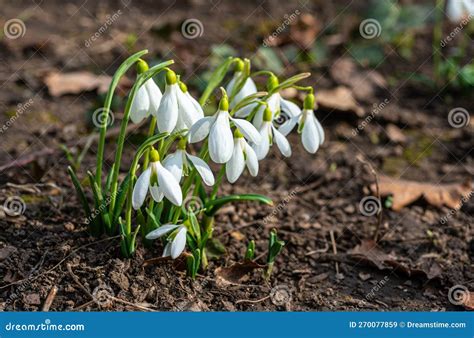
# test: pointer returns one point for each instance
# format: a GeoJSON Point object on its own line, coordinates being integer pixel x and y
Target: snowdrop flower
{"type": "Point", "coordinates": [312, 134]}
{"type": "Point", "coordinates": [180, 162]}
{"type": "Point", "coordinates": [242, 155]}
{"type": "Point", "coordinates": [148, 97]}
{"type": "Point", "coordinates": [176, 240]}
{"type": "Point", "coordinates": [457, 10]}
{"type": "Point", "coordinates": [275, 103]}
{"type": "Point", "coordinates": [159, 180]}
{"type": "Point", "coordinates": [269, 133]}
{"type": "Point", "coordinates": [248, 88]}
{"type": "Point", "coordinates": [221, 142]}
{"type": "Point", "coordinates": [178, 110]}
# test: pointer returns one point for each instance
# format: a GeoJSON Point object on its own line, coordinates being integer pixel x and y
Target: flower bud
{"type": "Point", "coordinates": [170, 77]}
{"type": "Point", "coordinates": [224, 103]}
{"type": "Point", "coordinates": [183, 87]}
{"type": "Point", "coordinates": [182, 144]}
{"type": "Point", "coordinates": [142, 66]}
{"type": "Point", "coordinates": [267, 115]}
{"type": "Point", "coordinates": [237, 133]}
{"type": "Point", "coordinates": [309, 102]}
{"type": "Point", "coordinates": [272, 82]}
{"type": "Point", "coordinates": [154, 155]}
{"type": "Point", "coordinates": [239, 66]}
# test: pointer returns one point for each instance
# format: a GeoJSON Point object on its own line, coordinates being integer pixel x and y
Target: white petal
{"type": "Point", "coordinates": [249, 88]}
{"type": "Point", "coordinates": [156, 193]}
{"type": "Point", "coordinates": [203, 169]}
{"type": "Point", "coordinates": [288, 125]}
{"type": "Point", "coordinates": [154, 95]}
{"type": "Point", "coordinates": [196, 105]}
{"type": "Point", "coordinates": [200, 129]}
{"type": "Point", "coordinates": [236, 164]}
{"type": "Point", "coordinates": [245, 111]}
{"type": "Point", "coordinates": [274, 103]}
{"type": "Point", "coordinates": [169, 185]}
{"type": "Point", "coordinates": [248, 130]}
{"type": "Point", "coordinates": [320, 131]}
{"type": "Point", "coordinates": [167, 250]}
{"type": "Point", "coordinates": [186, 111]}
{"type": "Point", "coordinates": [140, 189]}
{"type": "Point", "coordinates": [179, 242]}
{"type": "Point", "coordinates": [281, 142]}
{"type": "Point", "coordinates": [231, 84]}
{"type": "Point", "coordinates": [167, 114]}
{"type": "Point", "coordinates": [140, 105]}
{"type": "Point", "coordinates": [309, 135]}
{"type": "Point", "coordinates": [221, 140]}
{"type": "Point", "coordinates": [291, 108]}
{"type": "Point", "coordinates": [258, 118]}
{"type": "Point", "coordinates": [251, 160]}
{"type": "Point", "coordinates": [261, 149]}
{"type": "Point", "coordinates": [162, 230]}
{"type": "Point", "coordinates": [174, 163]}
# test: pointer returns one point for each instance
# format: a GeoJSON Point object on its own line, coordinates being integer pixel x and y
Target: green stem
{"type": "Point", "coordinates": [151, 131]}
{"type": "Point", "coordinates": [108, 101]}
{"type": "Point", "coordinates": [215, 188]}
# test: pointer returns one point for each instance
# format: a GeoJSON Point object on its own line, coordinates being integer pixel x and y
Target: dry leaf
{"type": "Point", "coordinates": [339, 98]}
{"type": "Point", "coordinates": [305, 30]}
{"type": "Point", "coordinates": [468, 300]}
{"type": "Point", "coordinates": [76, 82]}
{"type": "Point", "coordinates": [438, 195]}
{"type": "Point", "coordinates": [369, 252]}
{"type": "Point", "coordinates": [235, 272]}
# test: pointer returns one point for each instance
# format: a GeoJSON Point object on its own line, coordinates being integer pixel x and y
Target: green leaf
{"type": "Point", "coordinates": [213, 206]}
{"type": "Point", "coordinates": [80, 192]}
{"type": "Point", "coordinates": [196, 229]}
{"type": "Point", "coordinates": [291, 81]}
{"type": "Point", "coordinates": [247, 100]}
{"type": "Point", "coordinates": [250, 253]}
{"type": "Point", "coordinates": [121, 197]}
{"type": "Point", "coordinates": [215, 80]}
{"type": "Point", "coordinates": [266, 58]}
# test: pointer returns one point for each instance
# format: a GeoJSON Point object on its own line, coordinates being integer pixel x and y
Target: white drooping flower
{"type": "Point", "coordinates": [242, 155]}
{"type": "Point", "coordinates": [312, 134]}
{"type": "Point", "coordinates": [269, 134]}
{"type": "Point", "coordinates": [457, 10]}
{"type": "Point", "coordinates": [176, 239]}
{"type": "Point", "coordinates": [178, 109]}
{"type": "Point", "coordinates": [247, 89]}
{"type": "Point", "coordinates": [159, 181]}
{"type": "Point", "coordinates": [221, 141]}
{"type": "Point", "coordinates": [180, 162]}
{"type": "Point", "coordinates": [147, 100]}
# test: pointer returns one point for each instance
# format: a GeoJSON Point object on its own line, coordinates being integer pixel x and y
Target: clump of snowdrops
{"type": "Point", "coordinates": [170, 192]}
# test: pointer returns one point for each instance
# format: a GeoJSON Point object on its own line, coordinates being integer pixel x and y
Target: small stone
{"type": "Point", "coordinates": [32, 299]}
{"type": "Point", "coordinates": [69, 226]}
{"type": "Point", "coordinates": [364, 276]}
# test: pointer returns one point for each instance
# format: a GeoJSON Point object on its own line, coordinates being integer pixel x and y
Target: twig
{"type": "Point", "coordinates": [137, 306]}
{"type": "Point", "coordinates": [334, 249]}
{"type": "Point", "coordinates": [50, 299]}
{"type": "Point", "coordinates": [252, 301]}
{"type": "Point", "coordinates": [379, 211]}
{"type": "Point", "coordinates": [76, 280]}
